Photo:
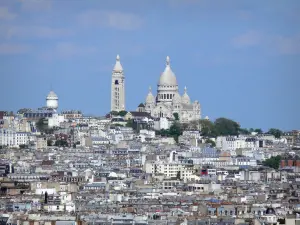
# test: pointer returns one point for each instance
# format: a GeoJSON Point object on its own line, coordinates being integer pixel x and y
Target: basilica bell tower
{"type": "Point", "coordinates": [118, 87]}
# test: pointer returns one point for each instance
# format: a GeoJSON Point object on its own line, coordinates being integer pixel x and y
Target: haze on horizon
{"type": "Point", "coordinates": [240, 59]}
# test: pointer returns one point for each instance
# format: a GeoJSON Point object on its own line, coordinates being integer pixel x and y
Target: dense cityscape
{"type": "Point", "coordinates": [161, 163]}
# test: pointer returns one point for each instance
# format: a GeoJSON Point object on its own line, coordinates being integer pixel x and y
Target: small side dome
{"type": "Point", "coordinates": [150, 98]}
{"type": "Point", "coordinates": [186, 98]}
{"type": "Point", "coordinates": [176, 98]}
{"type": "Point", "coordinates": [52, 95]}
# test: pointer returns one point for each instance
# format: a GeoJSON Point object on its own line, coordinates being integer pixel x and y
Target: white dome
{"type": "Point", "coordinates": [52, 95]}
{"type": "Point", "coordinates": [176, 98]}
{"type": "Point", "coordinates": [185, 97]}
{"type": "Point", "coordinates": [118, 67]}
{"type": "Point", "coordinates": [52, 100]}
{"type": "Point", "coordinates": [167, 78]}
{"type": "Point", "coordinates": [150, 98]}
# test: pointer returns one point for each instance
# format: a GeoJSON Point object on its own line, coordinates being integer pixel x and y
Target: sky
{"type": "Point", "coordinates": [240, 59]}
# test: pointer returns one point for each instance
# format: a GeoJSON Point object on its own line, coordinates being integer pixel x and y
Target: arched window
{"type": "Point", "coordinates": [116, 82]}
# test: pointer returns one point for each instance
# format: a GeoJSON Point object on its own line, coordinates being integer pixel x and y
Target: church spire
{"type": "Point", "coordinates": [150, 89]}
{"type": "Point", "coordinates": [118, 67]}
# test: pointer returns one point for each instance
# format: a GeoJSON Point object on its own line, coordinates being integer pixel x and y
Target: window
{"type": "Point", "coordinates": [116, 82]}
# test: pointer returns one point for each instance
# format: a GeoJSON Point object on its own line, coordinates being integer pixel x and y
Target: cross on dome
{"type": "Point", "coordinates": [185, 89]}
{"type": "Point", "coordinates": [168, 61]}
{"type": "Point", "coordinates": [150, 89]}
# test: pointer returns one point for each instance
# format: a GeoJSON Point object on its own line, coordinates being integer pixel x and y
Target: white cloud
{"type": "Point", "coordinates": [9, 49]}
{"type": "Point", "coordinates": [275, 44]}
{"type": "Point", "coordinates": [36, 5]}
{"type": "Point", "coordinates": [34, 32]}
{"type": "Point", "coordinates": [287, 45]}
{"type": "Point", "coordinates": [248, 39]}
{"type": "Point", "coordinates": [5, 14]}
{"type": "Point", "coordinates": [67, 50]}
{"type": "Point", "coordinates": [112, 19]}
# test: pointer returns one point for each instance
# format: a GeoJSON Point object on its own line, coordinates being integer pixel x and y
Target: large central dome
{"type": "Point", "coordinates": [167, 78]}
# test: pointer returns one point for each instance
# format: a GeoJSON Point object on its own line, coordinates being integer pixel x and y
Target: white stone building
{"type": "Point", "coordinates": [22, 138]}
{"type": "Point", "coordinates": [118, 87]}
{"type": "Point", "coordinates": [7, 137]}
{"type": "Point", "coordinates": [52, 100]}
{"type": "Point", "coordinates": [55, 120]}
{"type": "Point", "coordinates": [168, 100]}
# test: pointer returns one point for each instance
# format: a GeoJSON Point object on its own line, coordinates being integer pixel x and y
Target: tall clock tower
{"type": "Point", "coordinates": [118, 87]}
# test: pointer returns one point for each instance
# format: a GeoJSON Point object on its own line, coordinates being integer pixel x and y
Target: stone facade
{"type": "Point", "coordinates": [168, 100]}
{"type": "Point", "coordinates": [118, 87]}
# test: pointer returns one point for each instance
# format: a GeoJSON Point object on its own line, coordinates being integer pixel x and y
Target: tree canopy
{"type": "Point", "coordinates": [226, 126]}
{"type": "Point", "coordinates": [41, 125]}
{"type": "Point", "coordinates": [273, 162]}
{"type": "Point", "coordinates": [176, 116]}
{"type": "Point", "coordinates": [211, 142]}
{"type": "Point", "coordinates": [276, 132]}
{"type": "Point", "coordinates": [60, 143]}
{"type": "Point", "coordinates": [208, 128]}
{"type": "Point", "coordinates": [175, 131]}
{"type": "Point", "coordinates": [122, 113]}
{"type": "Point", "coordinates": [114, 113]}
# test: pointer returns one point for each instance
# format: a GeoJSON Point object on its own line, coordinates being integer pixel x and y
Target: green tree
{"type": "Point", "coordinates": [276, 132]}
{"type": "Point", "coordinates": [49, 142]}
{"type": "Point", "coordinates": [207, 128]}
{"type": "Point", "coordinates": [211, 142]}
{"type": "Point", "coordinates": [176, 116]}
{"type": "Point", "coordinates": [226, 126]}
{"type": "Point", "coordinates": [118, 125]}
{"type": "Point", "coordinates": [60, 143]}
{"type": "Point", "coordinates": [175, 131]}
{"type": "Point", "coordinates": [114, 113]}
{"type": "Point", "coordinates": [258, 130]}
{"type": "Point", "coordinates": [164, 133]}
{"type": "Point", "coordinates": [273, 162]}
{"type": "Point", "coordinates": [41, 125]}
{"type": "Point", "coordinates": [122, 113]}
{"type": "Point", "coordinates": [129, 123]}
{"type": "Point", "coordinates": [244, 131]}
{"type": "Point", "coordinates": [194, 125]}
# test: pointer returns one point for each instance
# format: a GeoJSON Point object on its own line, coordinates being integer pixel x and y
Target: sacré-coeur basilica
{"type": "Point", "coordinates": [167, 100]}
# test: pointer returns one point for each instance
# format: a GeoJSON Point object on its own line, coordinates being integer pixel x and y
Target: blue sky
{"type": "Point", "coordinates": [240, 59]}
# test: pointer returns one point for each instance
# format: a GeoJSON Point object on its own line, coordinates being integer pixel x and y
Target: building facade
{"type": "Point", "coordinates": [168, 100]}
{"type": "Point", "coordinates": [118, 87]}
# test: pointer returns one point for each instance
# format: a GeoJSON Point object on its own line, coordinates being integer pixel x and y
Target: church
{"type": "Point", "coordinates": [166, 102]}
{"type": "Point", "coordinates": [169, 101]}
